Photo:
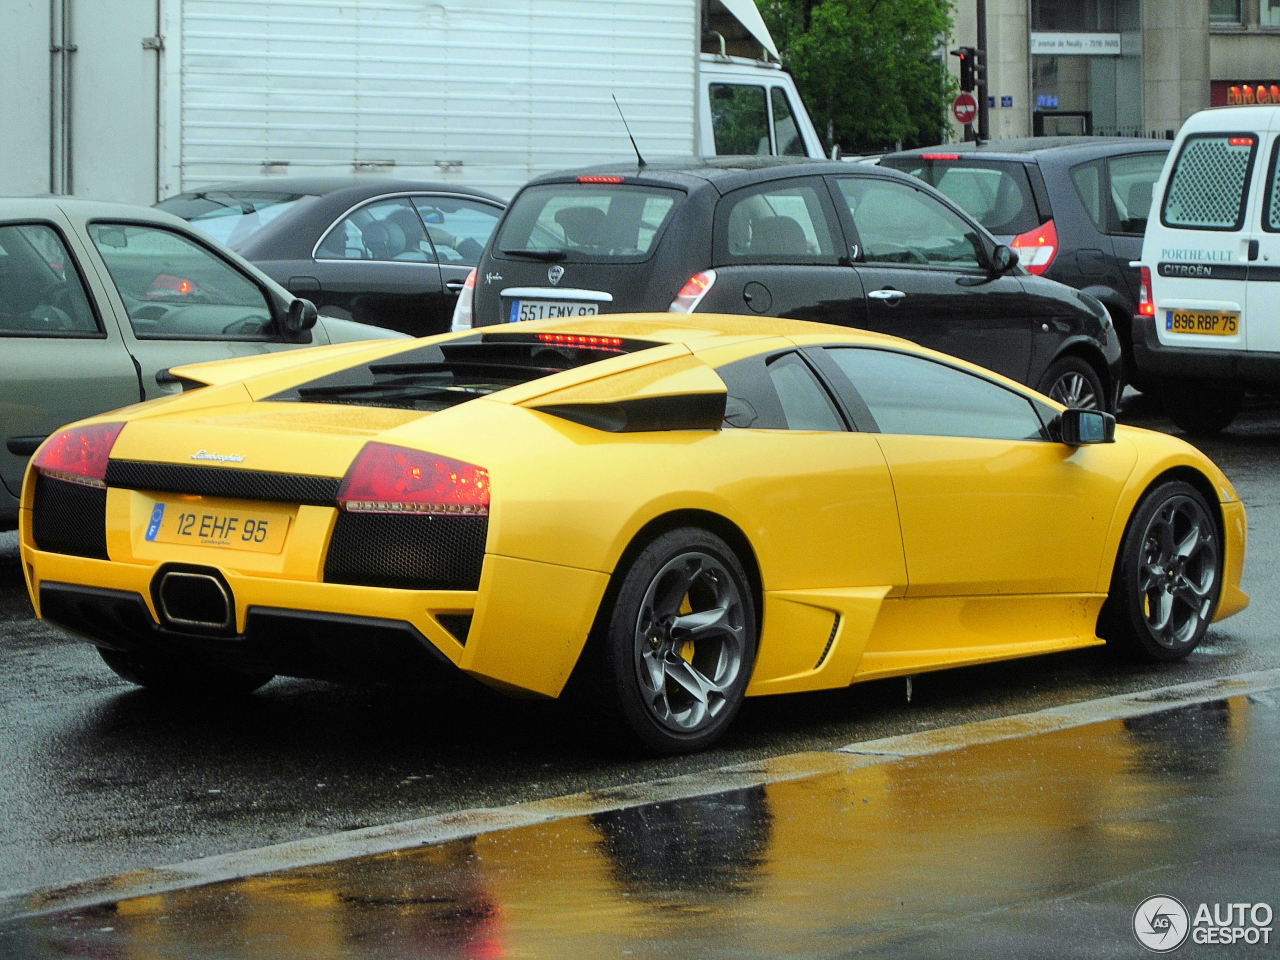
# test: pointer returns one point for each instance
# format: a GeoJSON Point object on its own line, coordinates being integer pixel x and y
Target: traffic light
{"type": "Point", "coordinates": [968, 61]}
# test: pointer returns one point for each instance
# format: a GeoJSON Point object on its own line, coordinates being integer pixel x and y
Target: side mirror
{"type": "Point", "coordinates": [1003, 259]}
{"type": "Point", "coordinates": [1078, 427]}
{"type": "Point", "coordinates": [302, 316]}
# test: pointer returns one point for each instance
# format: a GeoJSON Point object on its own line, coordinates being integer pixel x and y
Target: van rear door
{"type": "Point", "coordinates": [1262, 331]}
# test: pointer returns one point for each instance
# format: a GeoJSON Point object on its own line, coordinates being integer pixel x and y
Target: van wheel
{"type": "Point", "coordinates": [1200, 408]}
{"type": "Point", "coordinates": [679, 643]}
{"type": "Point", "coordinates": [1074, 383]}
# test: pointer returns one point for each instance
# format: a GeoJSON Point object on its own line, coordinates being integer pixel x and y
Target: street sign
{"type": "Point", "coordinates": [965, 108]}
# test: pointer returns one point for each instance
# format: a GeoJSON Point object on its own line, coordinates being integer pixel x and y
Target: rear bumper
{"type": "Point", "coordinates": [1234, 368]}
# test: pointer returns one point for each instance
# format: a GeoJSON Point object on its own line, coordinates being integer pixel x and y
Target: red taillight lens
{"type": "Point", "coordinates": [388, 479]}
{"type": "Point", "coordinates": [599, 179]}
{"type": "Point", "coordinates": [463, 318]}
{"type": "Point", "coordinates": [167, 285]}
{"type": "Point", "coordinates": [1146, 302]}
{"type": "Point", "coordinates": [78, 454]}
{"type": "Point", "coordinates": [607, 344]}
{"type": "Point", "coordinates": [939, 156]}
{"type": "Point", "coordinates": [691, 294]}
{"type": "Point", "coordinates": [1037, 248]}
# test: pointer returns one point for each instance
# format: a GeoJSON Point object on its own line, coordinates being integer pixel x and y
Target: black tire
{"type": "Point", "coordinates": [1167, 577]}
{"type": "Point", "coordinates": [1074, 383]}
{"type": "Point", "coordinates": [1199, 408]}
{"type": "Point", "coordinates": [678, 643]}
{"type": "Point", "coordinates": [181, 678]}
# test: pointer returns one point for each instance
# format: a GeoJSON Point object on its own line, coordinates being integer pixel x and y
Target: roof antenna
{"type": "Point", "coordinates": [639, 158]}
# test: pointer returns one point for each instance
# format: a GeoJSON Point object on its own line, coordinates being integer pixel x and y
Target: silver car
{"type": "Point", "coordinates": [99, 300]}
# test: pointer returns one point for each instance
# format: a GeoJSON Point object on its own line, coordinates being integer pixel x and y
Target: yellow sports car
{"type": "Point", "coordinates": [665, 513]}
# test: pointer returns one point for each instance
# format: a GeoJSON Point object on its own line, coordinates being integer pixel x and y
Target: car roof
{"type": "Point", "coordinates": [725, 173]}
{"type": "Point", "coordinates": [1038, 148]}
{"type": "Point", "coordinates": [353, 188]}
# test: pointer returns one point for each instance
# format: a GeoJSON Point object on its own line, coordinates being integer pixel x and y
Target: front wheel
{"type": "Point", "coordinates": [1074, 383]}
{"type": "Point", "coordinates": [679, 642]}
{"type": "Point", "coordinates": [181, 678]}
{"type": "Point", "coordinates": [1167, 578]}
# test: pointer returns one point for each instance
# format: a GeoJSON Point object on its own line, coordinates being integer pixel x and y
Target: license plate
{"type": "Point", "coordinates": [1211, 323]}
{"type": "Point", "coordinates": [550, 309]}
{"type": "Point", "coordinates": [260, 529]}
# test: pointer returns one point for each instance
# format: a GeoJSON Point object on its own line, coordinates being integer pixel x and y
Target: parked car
{"type": "Point", "coordinates": [1072, 208]}
{"type": "Point", "coordinates": [393, 253]}
{"type": "Point", "coordinates": [659, 513]}
{"type": "Point", "coordinates": [1210, 320]}
{"type": "Point", "coordinates": [99, 300]}
{"type": "Point", "coordinates": [843, 243]}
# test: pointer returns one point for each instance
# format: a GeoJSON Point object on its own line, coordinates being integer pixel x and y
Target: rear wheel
{"type": "Point", "coordinates": [174, 677]}
{"type": "Point", "coordinates": [679, 642]}
{"type": "Point", "coordinates": [1199, 408]}
{"type": "Point", "coordinates": [1074, 383]}
{"type": "Point", "coordinates": [1167, 577]}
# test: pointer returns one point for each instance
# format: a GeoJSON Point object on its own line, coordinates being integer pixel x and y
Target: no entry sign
{"type": "Point", "coordinates": [965, 108]}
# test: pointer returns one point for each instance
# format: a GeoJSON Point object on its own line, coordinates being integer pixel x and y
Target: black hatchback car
{"type": "Point", "coordinates": [1073, 208]}
{"type": "Point", "coordinates": [843, 243]}
{"type": "Point", "coordinates": [393, 253]}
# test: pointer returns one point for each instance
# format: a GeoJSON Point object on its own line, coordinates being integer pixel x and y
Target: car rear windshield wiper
{"type": "Point", "coordinates": [537, 254]}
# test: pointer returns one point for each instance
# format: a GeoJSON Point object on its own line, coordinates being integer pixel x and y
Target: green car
{"type": "Point", "coordinates": [99, 300]}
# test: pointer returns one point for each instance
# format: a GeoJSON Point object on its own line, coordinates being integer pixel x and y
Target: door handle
{"type": "Point", "coordinates": [888, 295]}
{"type": "Point", "coordinates": [454, 286]}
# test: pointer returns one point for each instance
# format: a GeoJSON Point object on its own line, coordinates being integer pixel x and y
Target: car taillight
{"type": "Point", "coordinates": [1037, 248]}
{"type": "Point", "coordinates": [78, 454]}
{"type": "Point", "coordinates": [390, 479]}
{"type": "Point", "coordinates": [691, 294]}
{"type": "Point", "coordinates": [462, 318]}
{"type": "Point", "coordinates": [1146, 302]}
{"type": "Point", "coordinates": [167, 285]}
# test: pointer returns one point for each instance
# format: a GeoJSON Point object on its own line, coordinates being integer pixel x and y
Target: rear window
{"type": "Point", "coordinates": [230, 217]}
{"type": "Point", "coordinates": [1210, 181]}
{"type": "Point", "coordinates": [443, 375]}
{"type": "Point", "coordinates": [997, 195]}
{"type": "Point", "coordinates": [597, 222]}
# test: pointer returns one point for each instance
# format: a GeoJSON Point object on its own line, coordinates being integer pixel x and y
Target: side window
{"type": "Point", "coordinates": [912, 395]}
{"type": "Point", "coordinates": [382, 230]}
{"type": "Point", "coordinates": [898, 224]}
{"type": "Point", "coordinates": [790, 143]}
{"type": "Point", "coordinates": [1132, 179]}
{"type": "Point", "coordinates": [777, 393]}
{"type": "Point", "coordinates": [739, 118]}
{"type": "Point", "coordinates": [458, 229]}
{"type": "Point", "coordinates": [1209, 183]}
{"type": "Point", "coordinates": [41, 294]}
{"type": "Point", "coordinates": [1087, 179]}
{"type": "Point", "coordinates": [784, 222]}
{"type": "Point", "coordinates": [175, 289]}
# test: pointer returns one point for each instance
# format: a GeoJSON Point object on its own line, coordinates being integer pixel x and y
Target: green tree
{"type": "Point", "coordinates": [870, 70]}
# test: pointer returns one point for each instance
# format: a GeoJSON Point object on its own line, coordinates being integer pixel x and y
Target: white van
{"type": "Point", "coordinates": [1208, 324]}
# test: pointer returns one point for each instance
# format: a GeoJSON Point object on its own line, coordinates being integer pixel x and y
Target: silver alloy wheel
{"type": "Point", "coordinates": [1178, 570]}
{"type": "Point", "coordinates": [690, 641]}
{"type": "Point", "coordinates": [1073, 389]}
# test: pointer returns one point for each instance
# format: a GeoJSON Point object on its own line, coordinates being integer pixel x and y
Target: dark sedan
{"type": "Point", "coordinates": [843, 243]}
{"type": "Point", "coordinates": [388, 252]}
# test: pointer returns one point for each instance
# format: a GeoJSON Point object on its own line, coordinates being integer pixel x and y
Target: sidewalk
{"type": "Point", "coordinates": [1031, 836]}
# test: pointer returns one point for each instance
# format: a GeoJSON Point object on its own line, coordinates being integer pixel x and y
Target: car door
{"type": "Point", "coordinates": [399, 262]}
{"type": "Point", "coordinates": [779, 252]}
{"type": "Point", "coordinates": [62, 355]}
{"type": "Point", "coordinates": [925, 269]}
{"type": "Point", "coordinates": [989, 506]}
{"type": "Point", "coordinates": [1262, 329]}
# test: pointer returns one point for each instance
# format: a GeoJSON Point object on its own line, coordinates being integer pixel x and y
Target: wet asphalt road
{"type": "Point", "coordinates": [97, 778]}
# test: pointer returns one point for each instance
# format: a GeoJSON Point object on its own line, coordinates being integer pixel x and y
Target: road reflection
{"type": "Point", "coordinates": [986, 841]}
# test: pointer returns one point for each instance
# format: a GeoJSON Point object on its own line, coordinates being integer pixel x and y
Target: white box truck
{"type": "Point", "coordinates": [157, 96]}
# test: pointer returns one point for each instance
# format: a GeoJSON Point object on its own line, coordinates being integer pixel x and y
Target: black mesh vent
{"type": "Point", "coordinates": [410, 551]}
{"type": "Point", "coordinates": [458, 624]}
{"type": "Point", "coordinates": [222, 482]}
{"type": "Point", "coordinates": [70, 518]}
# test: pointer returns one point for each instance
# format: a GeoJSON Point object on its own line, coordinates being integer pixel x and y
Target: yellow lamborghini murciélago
{"type": "Point", "coordinates": [670, 512]}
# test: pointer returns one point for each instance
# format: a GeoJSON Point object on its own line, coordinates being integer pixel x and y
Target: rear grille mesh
{"type": "Point", "coordinates": [407, 551]}
{"type": "Point", "coordinates": [222, 482]}
{"type": "Point", "coordinates": [70, 518]}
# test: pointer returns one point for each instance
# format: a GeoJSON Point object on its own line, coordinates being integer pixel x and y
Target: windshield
{"type": "Point", "coordinates": [578, 221]}
{"type": "Point", "coordinates": [230, 217]}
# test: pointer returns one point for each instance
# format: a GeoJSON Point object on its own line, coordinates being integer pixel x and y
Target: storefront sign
{"type": "Point", "coordinates": [1078, 44]}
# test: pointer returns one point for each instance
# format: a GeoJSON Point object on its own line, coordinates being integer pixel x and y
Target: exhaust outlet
{"type": "Point", "coordinates": [194, 599]}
